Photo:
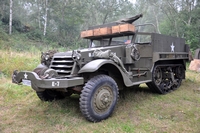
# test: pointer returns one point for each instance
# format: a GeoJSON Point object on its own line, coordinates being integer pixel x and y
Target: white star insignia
{"type": "Point", "coordinates": [25, 76]}
{"type": "Point", "coordinates": [172, 47]}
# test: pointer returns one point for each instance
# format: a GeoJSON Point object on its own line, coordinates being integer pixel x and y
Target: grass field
{"type": "Point", "coordinates": [138, 110]}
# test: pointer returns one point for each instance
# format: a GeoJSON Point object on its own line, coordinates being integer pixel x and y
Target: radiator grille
{"type": "Point", "coordinates": [62, 64]}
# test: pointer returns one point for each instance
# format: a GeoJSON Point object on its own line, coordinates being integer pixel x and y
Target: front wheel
{"type": "Point", "coordinates": [98, 98]}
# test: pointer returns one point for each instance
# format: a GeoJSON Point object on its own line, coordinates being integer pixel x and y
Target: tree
{"type": "Point", "coordinates": [64, 19]}
{"type": "Point", "coordinates": [10, 20]}
{"type": "Point", "coordinates": [38, 17]}
{"type": "Point", "coordinates": [45, 17]}
{"type": "Point", "coordinates": [173, 17]}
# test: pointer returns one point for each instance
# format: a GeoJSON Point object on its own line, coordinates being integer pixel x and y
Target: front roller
{"type": "Point", "coordinates": [47, 94]}
{"type": "Point", "coordinates": [98, 98]}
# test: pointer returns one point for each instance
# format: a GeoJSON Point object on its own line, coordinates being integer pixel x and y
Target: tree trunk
{"type": "Point", "coordinates": [45, 19]}
{"type": "Point", "coordinates": [105, 17]}
{"type": "Point", "coordinates": [176, 28]}
{"type": "Point", "coordinates": [10, 20]}
{"type": "Point", "coordinates": [39, 21]}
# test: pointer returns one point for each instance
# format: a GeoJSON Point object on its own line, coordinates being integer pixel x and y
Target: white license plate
{"type": "Point", "coordinates": [26, 82]}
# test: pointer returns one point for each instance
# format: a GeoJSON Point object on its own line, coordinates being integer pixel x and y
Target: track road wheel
{"type": "Point", "coordinates": [98, 98]}
{"type": "Point", "coordinates": [156, 85]}
{"type": "Point", "coordinates": [179, 75]}
{"type": "Point", "coordinates": [50, 95]}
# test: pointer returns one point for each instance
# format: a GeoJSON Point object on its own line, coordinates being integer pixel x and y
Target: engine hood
{"type": "Point", "coordinates": [68, 53]}
{"type": "Point", "coordinates": [89, 50]}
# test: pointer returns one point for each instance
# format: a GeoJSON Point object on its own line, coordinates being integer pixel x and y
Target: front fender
{"type": "Point", "coordinates": [96, 64]}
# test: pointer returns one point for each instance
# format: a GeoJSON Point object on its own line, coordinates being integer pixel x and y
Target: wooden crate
{"type": "Point", "coordinates": [102, 31]}
{"type": "Point", "coordinates": [87, 33]}
{"type": "Point", "coordinates": [123, 28]}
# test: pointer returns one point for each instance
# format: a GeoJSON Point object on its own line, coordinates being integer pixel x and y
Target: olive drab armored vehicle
{"type": "Point", "coordinates": [119, 55]}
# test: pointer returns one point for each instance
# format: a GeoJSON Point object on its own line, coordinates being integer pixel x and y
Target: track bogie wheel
{"type": "Point", "coordinates": [166, 78]}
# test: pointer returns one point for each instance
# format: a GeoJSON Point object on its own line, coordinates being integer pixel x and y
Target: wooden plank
{"type": "Point", "coordinates": [104, 25]}
{"type": "Point", "coordinates": [102, 31]}
{"type": "Point", "coordinates": [87, 33]}
{"type": "Point", "coordinates": [123, 28]}
{"type": "Point", "coordinates": [96, 32]}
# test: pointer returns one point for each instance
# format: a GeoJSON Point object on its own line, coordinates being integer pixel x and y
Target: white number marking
{"type": "Point", "coordinates": [55, 83]}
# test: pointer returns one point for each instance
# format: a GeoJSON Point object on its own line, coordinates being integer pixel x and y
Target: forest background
{"type": "Point", "coordinates": [39, 24]}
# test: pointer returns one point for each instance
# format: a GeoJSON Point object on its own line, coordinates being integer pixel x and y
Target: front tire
{"type": "Point", "coordinates": [99, 98]}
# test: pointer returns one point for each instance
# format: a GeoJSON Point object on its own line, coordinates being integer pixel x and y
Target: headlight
{"type": "Point", "coordinates": [76, 55]}
{"type": "Point", "coordinates": [46, 57]}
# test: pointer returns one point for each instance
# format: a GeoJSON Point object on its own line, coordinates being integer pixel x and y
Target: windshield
{"type": "Point", "coordinates": [143, 39]}
{"type": "Point", "coordinates": [115, 41]}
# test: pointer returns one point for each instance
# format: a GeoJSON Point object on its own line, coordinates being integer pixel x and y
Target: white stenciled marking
{"type": "Point", "coordinates": [90, 54]}
{"type": "Point", "coordinates": [55, 83]}
{"type": "Point", "coordinates": [172, 47]}
{"type": "Point", "coordinates": [25, 76]}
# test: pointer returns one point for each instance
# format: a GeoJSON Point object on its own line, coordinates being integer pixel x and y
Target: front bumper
{"type": "Point", "coordinates": [38, 84]}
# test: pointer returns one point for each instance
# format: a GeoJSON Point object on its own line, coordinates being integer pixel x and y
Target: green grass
{"type": "Point", "coordinates": [10, 61]}
{"type": "Point", "coordinates": [139, 111]}
{"type": "Point", "coordinates": [21, 43]}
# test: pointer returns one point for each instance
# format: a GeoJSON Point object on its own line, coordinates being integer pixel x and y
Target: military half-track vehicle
{"type": "Point", "coordinates": [118, 56]}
